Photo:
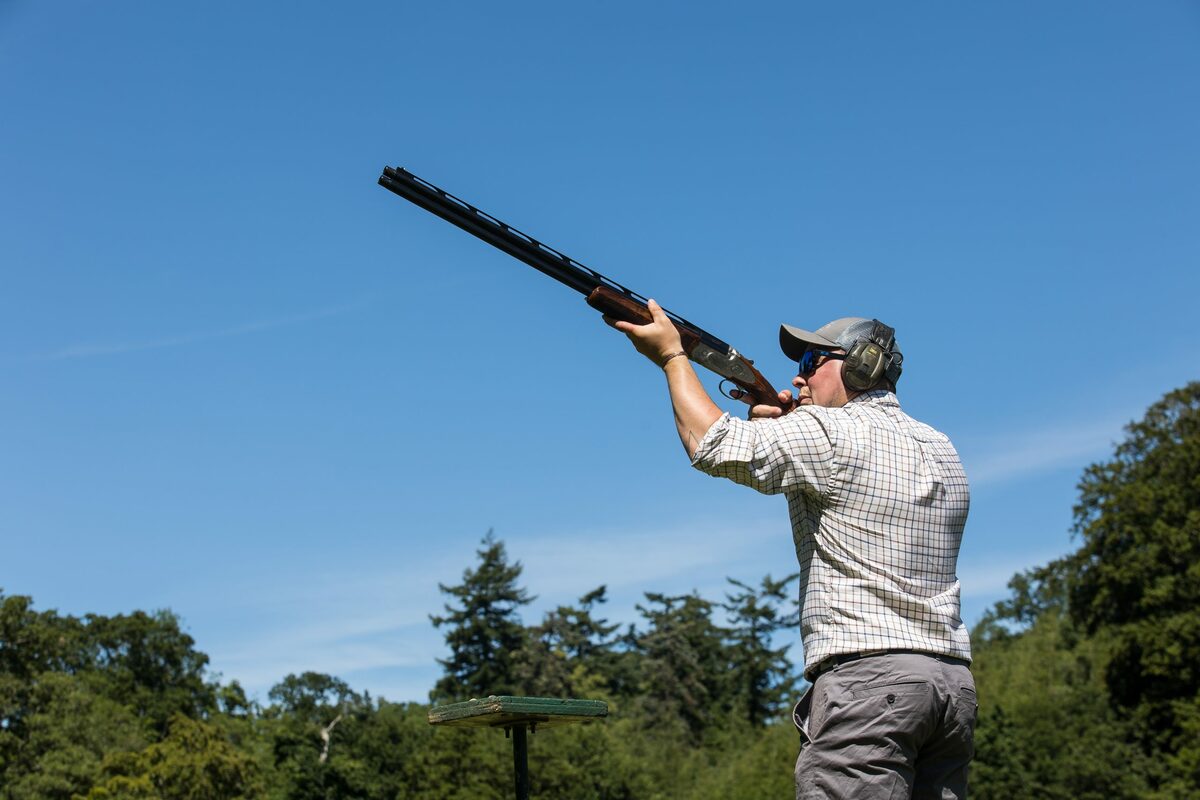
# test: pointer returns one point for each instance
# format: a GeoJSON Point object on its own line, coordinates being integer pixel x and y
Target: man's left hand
{"type": "Point", "coordinates": [655, 340]}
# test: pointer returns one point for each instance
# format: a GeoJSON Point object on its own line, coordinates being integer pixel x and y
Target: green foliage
{"type": "Point", "coordinates": [570, 653]}
{"type": "Point", "coordinates": [35, 642]}
{"type": "Point", "coordinates": [194, 762]}
{"type": "Point", "coordinates": [1045, 727]}
{"type": "Point", "coordinates": [312, 697]}
{"type": "Point", "coordinates": [314, 724]}
{"type": "Point", "coordinates": [484, 632]}
{"type": "Point", "coordinates": [66, 732]}
{"type": "Point", "coordinates": [685, 676]}
{"type": "Point", "coordinates": [389, 749]}
{"type": "Point", "coordinates": [754, 764]}
{"type": "Point", "coordinates": [1137, 574]}
{"type": "Point", "coordinates": [1182, 764]}
{"type": "Point", "coordinates": [763, 680]}
{"type": "Point", "coordinates": [73, 691]}
{"type": "Point", "coordinates": [1088, 674]}
{"type": "Point", "coordinates": [150, 665]}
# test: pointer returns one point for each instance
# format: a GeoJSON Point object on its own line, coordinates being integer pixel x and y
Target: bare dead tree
{"type": "Point", "coordinates": [325, 736]}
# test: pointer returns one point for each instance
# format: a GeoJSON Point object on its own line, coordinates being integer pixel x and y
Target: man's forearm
{"type": "Point", "coordinates": [695, 412]}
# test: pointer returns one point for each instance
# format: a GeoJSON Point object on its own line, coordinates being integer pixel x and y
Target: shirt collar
{"type": "Point", "coordinates": [878, 397]}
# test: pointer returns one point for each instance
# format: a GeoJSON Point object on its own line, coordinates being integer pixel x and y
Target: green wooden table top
{"type": "Point", "coordinates": [503, 711]}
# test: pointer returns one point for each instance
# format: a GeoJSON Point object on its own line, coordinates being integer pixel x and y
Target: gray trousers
{"type": "Point", "coordinates": [887, 726]}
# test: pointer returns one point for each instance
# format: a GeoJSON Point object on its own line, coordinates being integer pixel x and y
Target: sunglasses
{"type": "Point", "coordinates": [811, 360]}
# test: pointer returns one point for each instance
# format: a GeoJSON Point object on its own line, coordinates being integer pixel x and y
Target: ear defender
{"type": "Point", "coordinates": [868, 361]}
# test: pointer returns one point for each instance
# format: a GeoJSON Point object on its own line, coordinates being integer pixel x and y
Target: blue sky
{"type": "Point", "coordinates": [243, 382]}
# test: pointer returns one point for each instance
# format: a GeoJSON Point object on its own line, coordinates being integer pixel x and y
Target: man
{"type": "Point", "coordinates": [877, 502]}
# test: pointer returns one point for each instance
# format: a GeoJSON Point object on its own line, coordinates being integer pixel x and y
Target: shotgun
{"type": "Point", "coordinates": [603, 294]}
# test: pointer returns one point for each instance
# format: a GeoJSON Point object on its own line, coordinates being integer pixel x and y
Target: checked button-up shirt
{"type": "Point", "coordinates": [877, 502]}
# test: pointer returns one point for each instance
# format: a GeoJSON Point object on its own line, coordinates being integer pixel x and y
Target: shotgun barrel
{"type": "Point", "coordinates": [603, 294]}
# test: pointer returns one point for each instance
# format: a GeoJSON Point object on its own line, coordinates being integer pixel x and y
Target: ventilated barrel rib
{"type": "Point", "coordinates": [603, 294]}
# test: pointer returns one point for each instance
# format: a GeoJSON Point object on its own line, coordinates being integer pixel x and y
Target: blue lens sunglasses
{"type": "Point", "coordinates": [808, 362]}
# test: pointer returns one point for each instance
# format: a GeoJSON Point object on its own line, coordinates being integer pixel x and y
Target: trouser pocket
{"type": "Point", "coordinates": [800, 714]}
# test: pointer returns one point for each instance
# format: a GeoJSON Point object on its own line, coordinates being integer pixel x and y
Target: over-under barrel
{"type": "Point", "coordinates": [602, 293]}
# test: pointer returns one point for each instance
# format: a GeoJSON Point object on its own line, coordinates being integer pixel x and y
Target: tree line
{"type": "Point", "coordinates": [1088, 676]}
{"type": "Point", "coordinates": [684, 666]}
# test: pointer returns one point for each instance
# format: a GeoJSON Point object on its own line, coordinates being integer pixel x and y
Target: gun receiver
{"type": "Point", "coordinates": [603, 294]}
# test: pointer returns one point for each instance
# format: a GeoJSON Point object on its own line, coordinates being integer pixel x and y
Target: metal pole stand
{"type": "Point", "coordinates": [518, 715]}
{"type": "Point", "coordinates": [521, 758]}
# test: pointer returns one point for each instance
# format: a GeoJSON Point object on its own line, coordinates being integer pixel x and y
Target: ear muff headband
{"type": "Point", "coordinates": [871, 360]}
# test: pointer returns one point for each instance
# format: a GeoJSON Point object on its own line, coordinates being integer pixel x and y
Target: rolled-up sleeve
{"type": "Point", "coordinates": [769, 455]}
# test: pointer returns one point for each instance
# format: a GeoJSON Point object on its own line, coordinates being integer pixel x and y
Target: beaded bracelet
{"type": "Point", "coordinates": [663, 363]}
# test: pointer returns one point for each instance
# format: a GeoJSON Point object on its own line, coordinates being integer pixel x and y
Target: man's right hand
{"type": "Point", "coordinates": [764, 411]}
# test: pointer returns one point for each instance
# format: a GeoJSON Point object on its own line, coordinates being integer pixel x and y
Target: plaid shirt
{"type": "Point", "coordinates": [878, 502]}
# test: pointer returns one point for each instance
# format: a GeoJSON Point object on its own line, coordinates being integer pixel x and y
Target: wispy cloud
{"type": "Point", "coordinates": [362, 620]}
{"type": "Point", "coordinates": [623, 557]}
{"type": "Point", "coordinates": [119, 348]}
{"type": "Point", "coordinates": [1020, 455]}
{"type": "Point", "coordinates": [258, 663]}
{"type": "Point", "coordinates": [341, 623]}
{"type": "Point", "coordinates": [987, 578]}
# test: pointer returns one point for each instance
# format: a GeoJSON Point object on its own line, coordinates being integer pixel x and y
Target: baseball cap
{"type": "Point", "coordinates": [841, 334]}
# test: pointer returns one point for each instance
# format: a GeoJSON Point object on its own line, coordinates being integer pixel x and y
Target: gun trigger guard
{"type": "Point", "coordinates": [721, 389]}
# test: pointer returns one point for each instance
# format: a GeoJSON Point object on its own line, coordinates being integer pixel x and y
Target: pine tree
{"type": "Point", "coordinates": [685, 666]}
{"type": "Point", "coordinates": [763, 679]}
{"type": "Point", "coordinates": [569, 652]}
{"type": "Point", "coordinates": [484, 631]}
